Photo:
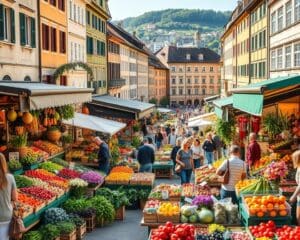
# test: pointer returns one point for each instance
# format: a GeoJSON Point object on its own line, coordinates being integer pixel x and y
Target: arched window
{"type": "Point", "coordinates": [6, 78]}
{"type": "Point", "coordinates": [27, 79]}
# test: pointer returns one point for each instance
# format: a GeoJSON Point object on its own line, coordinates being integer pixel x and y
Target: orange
{"type": "Point", "coordinates": [282, 199]}
{"type": "Point", "coordinates": [270, 206]}
{"type": "Point", "coordinates": [260, 214]}
{"type": "Point", "coordinates": [283, 213]}
{"type": "Point", "coordinates": [270, 198]}
{"type": "Point", "coordinates": [264, 201]}
{"type": "Point", "coordinates": [273, 213]}
{"type": "Point", "coordinates": [263, 208]}
{"type": "Point", "coordinates": [252, 210]}
{"type": "Point", "coordinates": [282, 207]}
{"type": "Point", "coordinates": [276, 206]}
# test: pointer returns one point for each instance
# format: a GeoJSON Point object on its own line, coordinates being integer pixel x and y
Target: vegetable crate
{"type": "Point", "coordinates": [90, 223]}
{"type": "Point", "coordinates": [81, 231]}
{"type": "Point", "coordinates": [120, 213]}
{"type": "Point", "coordinates": [71, 236]}
{"type": "Point", "coordinates": [251, 220]}
{"type": "Point", "coordinates": [164, 219]}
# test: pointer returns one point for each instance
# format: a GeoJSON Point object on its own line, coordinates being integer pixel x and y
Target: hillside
{"type": "Point", "coordinates": [179, 24]}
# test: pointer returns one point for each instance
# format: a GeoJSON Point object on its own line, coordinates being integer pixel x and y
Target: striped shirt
{"type": "Point", "coordinates": [236, 168]}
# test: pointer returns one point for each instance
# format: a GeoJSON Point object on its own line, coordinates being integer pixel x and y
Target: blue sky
{"type": "Point", "coordinates": [121, 9]}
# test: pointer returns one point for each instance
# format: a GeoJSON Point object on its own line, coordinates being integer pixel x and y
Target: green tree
{"type": "Point", "coordinates": [153, 101]}
{"type": "Point", "coordinates": [164, 101]}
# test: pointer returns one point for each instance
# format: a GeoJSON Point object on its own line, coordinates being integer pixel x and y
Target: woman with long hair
{"type": "Point", "coordinates": [184, 157]}
{"type": "Point", "coordinates": [8, 194]}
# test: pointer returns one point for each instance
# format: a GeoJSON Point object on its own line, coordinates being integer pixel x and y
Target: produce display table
{"type": "Point", "coordinates": [138, 187]}
{"type": "Point", "coordinates": [197, 225]}
{"type": "Point", "coordinates": [34, 218]}
{"type": "Point", "coordinates": [163, 169]}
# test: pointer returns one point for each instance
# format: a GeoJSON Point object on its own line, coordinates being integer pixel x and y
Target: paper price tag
{"type": "Point", "coordinates": [204, 183]}
{"type": "Point", "coordinates": [165, 194]}
{"type": "Point", "coordinates": [13, 156]}
{"type": "Point", "coordinates": [188, 200]}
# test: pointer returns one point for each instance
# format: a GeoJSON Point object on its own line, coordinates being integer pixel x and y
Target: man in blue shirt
{"type": "Point", "coordinates": [103, 155]}
{"type": "Point", "coordinates": [145, 157]}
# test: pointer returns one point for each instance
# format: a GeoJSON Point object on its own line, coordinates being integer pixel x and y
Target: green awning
{"type": "Point", "coordinates": [219, 112]}
{"type": "Point", "coordinates": [223, 102]}
{"type": "Point", "coordinates": [249, 103]}
{"type": "Point", "coordinates": [251, 99]}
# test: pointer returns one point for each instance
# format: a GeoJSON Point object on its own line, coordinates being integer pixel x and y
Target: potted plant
{"type": "Point", "coordinates": [67, 230]}
{"type": "Point", "coordinates": [76, 205]}
{"type": "Point", "coordinates": [15, 167]}
{"type": "Point", "coordinates": [78, 187]}
{"type": "Point", "coordinates": [29, 162]}
{"type": "Point", "coordinates": [118, 199]}
{"type": "Point", "coordinates": [50, 232]}
{"type": "Point", "coordinates": [19, 143]}
{"type": "Point", "coordinates": [105, 212]}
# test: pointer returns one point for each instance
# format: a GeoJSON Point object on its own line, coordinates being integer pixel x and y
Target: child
{"type": "Point", "coordinates": [296, 196]}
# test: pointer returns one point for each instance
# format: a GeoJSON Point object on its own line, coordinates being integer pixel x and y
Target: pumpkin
{"type": "Point", "coordinates": [85, 110]}
{"type": "Point", "coordinates": [27, 118]}
{"type": "Point", "coordinates": [12, 115]}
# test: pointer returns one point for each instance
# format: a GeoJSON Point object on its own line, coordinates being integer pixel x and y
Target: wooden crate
{"type": "Point", "coordinates": [81, 231]}
{"type": "Point", "coordinates": [150, 217]}
{"type": "Point", "coordinates": [90, 223]}
{"type": "Point", "coordinates": [120, 213]}
{"type": "Point", "coordinates": [164, 219]}
{"type": "Point", "coordinates": [71, 236]}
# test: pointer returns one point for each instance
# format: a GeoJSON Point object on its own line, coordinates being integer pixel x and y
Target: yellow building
{"type": "Point", "coordinates": [53, 29]}
{"type": "Point", "coordinates": [259, 51]}
{"type": "Point", "coordinates": [97, 14]}
{"type": "Point", "coordinates": [244, 45]}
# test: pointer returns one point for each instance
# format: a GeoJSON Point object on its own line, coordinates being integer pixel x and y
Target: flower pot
{"type": "Point", "coordinates": [54, 135]}
{"type": "Point", "coordinates": [120, 213]}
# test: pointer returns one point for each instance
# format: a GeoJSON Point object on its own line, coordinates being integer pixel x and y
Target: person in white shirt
{"type": "Point", "coordinates": [237, 172]}
{"type": "Point", "coordinates": [197, 153]}
{"type": "Point", "coordinates": [172, 138]}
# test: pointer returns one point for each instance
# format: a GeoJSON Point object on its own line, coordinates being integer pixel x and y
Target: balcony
{"type": "Point", "coordinates": [116, 83]}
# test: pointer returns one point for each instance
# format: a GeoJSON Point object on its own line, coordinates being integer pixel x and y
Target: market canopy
{"type": "Point", "coordinates": [207, 116]}
{"type": "Point", "coordinates": [119, 108]}
{"type": "Point", "coordinates": [253, 98]}
{"type": "Point", "coordinates": [95, 123]}
{"type": "Point", "coordinates": [36, 96]}
{"type": "Point", "coordinates": [222, 103]}
{"type": "Point", "coordinates": [199, 123]}
{"type": "Point", "coordinates": [164, 110]}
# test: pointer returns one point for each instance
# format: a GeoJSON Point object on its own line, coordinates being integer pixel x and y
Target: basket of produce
{"type": "Point", "coordinates": [150, 211]}
{"type": "Point", "coordinates": [168, 211]}
{"type": "Point", "coordinates": [53, 134]}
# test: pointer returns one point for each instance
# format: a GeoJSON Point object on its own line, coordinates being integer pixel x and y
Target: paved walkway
{"type": "Point", "coordinates": [130, 228]}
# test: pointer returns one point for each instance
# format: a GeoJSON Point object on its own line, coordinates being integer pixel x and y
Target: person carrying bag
{"type": "Point", "coordinates": [16, 227]}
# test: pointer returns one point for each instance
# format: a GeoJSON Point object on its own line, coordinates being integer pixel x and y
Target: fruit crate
{"type": "Point", "coordinates": [247, 220]}
{"type": "Point", "coordinates": [90, 223]}
{"type": "Point", "coordinates": [71, 236]}
{"type": "Point", "coordinates": [81, 231]}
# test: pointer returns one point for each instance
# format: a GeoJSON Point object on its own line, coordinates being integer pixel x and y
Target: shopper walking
{"type": "Point", "coordinates": [8, 194]}
{"type": "Point", "coordinates": [172, 138]}
{"type": "Point", "coordinates": [197, 153]}
{"type": "Point", "coordinates": [103, 155]}
{"type": "Point", "coordinates": [158, 139]}
{"type": "Point", "coordinates": [175, 151]}
{"type": "Point", "coordinates": [253, 153]}
{"type": "Point", "coordinates": [209, 148]}
{"type": "Point", "coordinates": [185, 159]}
{"type": "Point", "coordinates": [296, 196]}
{"type": "Point", "coordinates": [145, 157]}
{"type": "Point", "coordinates": [237, 172]}
{"type": "Point", "coordinates": [218, 144]}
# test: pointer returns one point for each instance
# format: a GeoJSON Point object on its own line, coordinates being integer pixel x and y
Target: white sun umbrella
{"type": "Point", "coordinates": [199, 123]}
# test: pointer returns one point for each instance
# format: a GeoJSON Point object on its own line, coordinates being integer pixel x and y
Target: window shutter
{"type": "Point", "coordinates": [12, 26]}
{"type": "Point", "coordinates": [87, 45]}
{"type": "Point", "coordinates": [33, 33]}
{"type": "Point", "coordinates": [1, 22]}
{"type": "Point", "coordinates": [22, 29]}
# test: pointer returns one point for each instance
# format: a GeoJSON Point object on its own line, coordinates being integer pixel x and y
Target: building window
{"type": "Point", "coordinates": [279, 58]}
{"type": "Point", "coordinates": [273, 60]}
{"type": "Point", "coordinates": [211, 80]}
{"type": "Point", "coordinates": [173, 91]}
{"type": "Point", "coordinates": [196, 69]}
{"type": "Point", "coordinates": [62, 42]}
{"type": "Point", "coordinates": [288, 57]}
{"type": "Point", "coordinates": [180, 81]}
{"type": "Point", "coordinates": [203, 69]}
{"type": "Point", "coordinates": [89, 45]}
{"type": "Point", "coordinates": [45, 37]}
{"type": "Point", "coordinates": [53, 39]}
{"type": "Point", "coordinates": [6, 78]}
{"type": "Point", "coordinates": [173, 69]}
{"type": "Point", "coordinates": [188, 57]}
{"type": "Point", "coordinates": [61, 5]}
{"type": "Point", "coordinates": [196, 91]}
{"type": "Point", "coordinates": [297, 55]}
{"type": "Point", "coordinates": [27, 30]}
{"type": "Point", "coordinates": [180, 91]}
{"type": "Point", "coordinates": [273, 22]}
{"type": "Point", "coordinates": [7, 25]}
{"type": "Point", "coordinates": [196, 80]}
{"type": "Point", "coordinates": [280, 19]}
{"type": "Point", "coordinates": [189, 91]}
{"type": "Point", "coordinates": [27, 79]}
{"type": "Point", "coordinates": [297, 10]}
{"type": "Point", "coordinates": [88, 18]}
{"type": "Point", "coordinates": [53, 2]}
{"type": "Point", "coordinates": [173, 81]}
{"type": "Point", "coordinates": [189, 81]}
{"type": "Point", "coordinates": [211, 69]}
{"type": "Point", "coordinates": [180, 69]}
{"type": "Point", "coordinates": [188, 69]}
{"type": "Point", "coordinates": [288, 13]}
{"type": "Point", "coordinates": [203, 91]}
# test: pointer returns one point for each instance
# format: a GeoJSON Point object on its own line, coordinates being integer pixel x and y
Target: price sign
{"type": "Point", "coordinates": [14, 156]}
{"type": "Point", "coordinates": [165, 194]}
{"type": "Point", "coordinates": [188, 200]}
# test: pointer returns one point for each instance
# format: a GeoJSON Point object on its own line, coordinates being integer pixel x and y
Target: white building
{"type": "Point", "coordinates": [77, 42]}
{"type": "Point", "coordinates": [19, 59]}
{"type": "Point", "coordinates": [284, 37]}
